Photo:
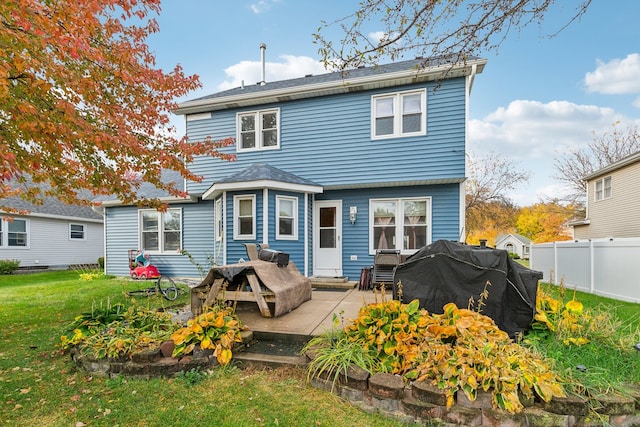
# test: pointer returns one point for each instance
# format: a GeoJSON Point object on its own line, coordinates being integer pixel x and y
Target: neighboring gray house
{"type": "Point", "coordinates": [53, 235]}
{"type": "Point", "coordinates": [613, 202]}
{"type": "Point", "coordinates": [514, 243]}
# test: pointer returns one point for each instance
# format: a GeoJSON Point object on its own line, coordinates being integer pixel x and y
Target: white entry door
{"type": "Point", "coordinates": [327, 238]}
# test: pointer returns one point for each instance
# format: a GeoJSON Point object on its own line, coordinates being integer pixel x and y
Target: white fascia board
{"type": "Point", "coordinates": [217, 189]}
{"type": "Point", "coordinates": [337, 86]}
{"type": "Point", "coordinates": [168, 200]}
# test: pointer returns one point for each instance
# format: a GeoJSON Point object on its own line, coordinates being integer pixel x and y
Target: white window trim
{"type": "Point", "coordinates": [236, 212]}
{"type": "Point", "coordinates": [219, 216]}
{"type": "Point", "coordinates": [4, 236]}
{"type": "Point", "coordinates": [400, 224]}
{"type": "Point", "coordinates": [160, 232]}
{"type": "Point", "coordinates": [397, 114]}
{"type": "Point", "coordinates": [294, 236]}
{"type": "Point", "coordinates": [595, 188]}
{"type": "Point", "coordinates": [258, 130]}
{"type": "Point", "coordinates": [84, 232]}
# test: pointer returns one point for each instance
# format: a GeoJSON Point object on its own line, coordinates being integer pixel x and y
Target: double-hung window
{"type": "Point", "coordinates": [398, 114]}
{"type": "Point", "coordinates": [15, 233]}
{"type": "Point", "coordinates": [287, 211]}
{"type": "Point", "coordinates": [401, 224]}
{"type": "Point", "coordinates": [244, 217]}
{"type": "Point", "coordinates": [603, 188]}
{"type": "Point", "coordinates": [161, 232]}
{"type": "Point", "coordinates": [76, 231]}
{"type": "Point", "coordinates": [258, 130]}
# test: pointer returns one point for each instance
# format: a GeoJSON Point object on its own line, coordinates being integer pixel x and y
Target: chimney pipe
{"type": "Point", "coordinates": [263, 47]}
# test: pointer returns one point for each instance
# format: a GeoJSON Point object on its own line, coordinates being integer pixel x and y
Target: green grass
{"type": "Point", "coordinates": [39, 385]}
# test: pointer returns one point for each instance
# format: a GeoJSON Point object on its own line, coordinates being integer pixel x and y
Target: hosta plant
{"type": "Point", "coordinates": [114, 331]}
{"type": "Point", "coordinates": [465, 350]}
{"type": "Point", "coordinates": [217, 328]}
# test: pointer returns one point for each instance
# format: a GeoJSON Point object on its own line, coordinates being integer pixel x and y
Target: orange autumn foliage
{"type": "Point", "coordinates": [83, 105]}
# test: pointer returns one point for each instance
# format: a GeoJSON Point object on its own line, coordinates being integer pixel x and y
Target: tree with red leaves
{"type": "Point", "coordinates": [83, 107]}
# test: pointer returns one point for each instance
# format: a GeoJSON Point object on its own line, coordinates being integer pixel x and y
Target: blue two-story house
{"type": "Point", "coordinates": [329, 168]}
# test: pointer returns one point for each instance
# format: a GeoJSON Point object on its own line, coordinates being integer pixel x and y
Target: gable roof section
{"type": "Point", "coordinates": [519, 237]}
{"type": "Point", "coordinates": [150, 191]}
{"type": "Point", "coordinates": [629, 160]}
{"type": "Point", "coordinates": [360, 79]}
{"type": "Point", "coordinates": [261, 176]}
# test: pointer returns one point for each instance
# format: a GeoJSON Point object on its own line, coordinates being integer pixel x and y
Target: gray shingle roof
{"type": "Point", "coordinates": [150, 191]}
{"type": "Point", "coordinates": [264, 171]}
{"type": "Point", "coordinates": [52, 206]}
{"type": "Point", "coordinates": [333, 77]}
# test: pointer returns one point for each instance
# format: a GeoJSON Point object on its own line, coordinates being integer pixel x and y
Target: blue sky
{"type": "Point", "coordinates": [537, 97]}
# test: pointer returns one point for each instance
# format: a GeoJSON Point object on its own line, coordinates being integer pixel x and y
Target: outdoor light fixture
{"type": "Point", "coordinates": [353, 212]}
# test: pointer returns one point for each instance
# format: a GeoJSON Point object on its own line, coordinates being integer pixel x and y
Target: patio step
{"type": "Point", "coordinates": [324, 282]}
{"type": "Point", "coordinates": [271, 350]}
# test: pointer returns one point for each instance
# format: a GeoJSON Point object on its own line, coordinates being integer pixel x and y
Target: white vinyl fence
{"type": "Point", "coordinates": [605, 267]}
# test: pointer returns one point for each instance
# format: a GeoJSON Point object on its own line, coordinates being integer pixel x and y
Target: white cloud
{"type": "Point", "coordinates": [376, 36]}
{"type": "Point", "coordinates": [533, 134]}
{"type": "Point", "coordinates": [289, 67]}
{"type": "Point", "coordinates": [618, 76]}
{"type": "Point", "coordinates": [260, 7]}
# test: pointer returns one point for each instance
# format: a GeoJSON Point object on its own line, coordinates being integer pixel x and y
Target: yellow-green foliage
{"type": "Point", "coordinates": [457, 350]}
{"type": "Point", "coordinates": [217, 329]}
{"type": "Point", "coordinates": [568, 321]}
{"type": "Point", "coordinates": [465, 350]}
{"type": "Point", "coordinates": [113, 331]}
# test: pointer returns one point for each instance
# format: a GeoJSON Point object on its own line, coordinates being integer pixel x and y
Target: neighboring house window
{"type": "Point", "coordinates": [510, 248]}
{"type": "Point", "coordinates": [219, 220]}
{"type": "Point", "coordinates": [402, 224]}
{"type": "Point", "coordinates": [399, 114]}
{"type": "Point", "coordinates": [603, 188]}
{"type": "Point", "coordinates": [244, 208]}
{"type": "Point", "coordinates": [76, 231]}
{"type": "Point", "coordinates": [14, 233]}
{"type": "Point", "coordinates": [161, 231]}
{"type": "Point", "coordinates": [526, 249]}
{"type": "Point", "coordinates": [287, 212]}
{"type": "Point", "coordinates": [258, 130]}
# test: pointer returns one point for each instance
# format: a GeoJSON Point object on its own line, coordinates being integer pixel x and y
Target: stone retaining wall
{"type": "Point", "coordinates": [388, 395]}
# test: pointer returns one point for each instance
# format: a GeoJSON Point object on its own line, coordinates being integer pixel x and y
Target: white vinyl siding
{"type": "Point", "coordinates": [244, 217]}
{"type": "Point", "coordinates": [603, 188]}
{"type": "Point", "coordinates": [398, 114]}
{"type": "Point", "coordinates": [160, 232]}
{"type": "Point", "coordinates": [76, 232]}
{"type": "Point", "coordinates": [408, 218]}
{"type": "Point", "coordinates": [258, 130]}
{"type": "Point", "coordinates": [287, 212]}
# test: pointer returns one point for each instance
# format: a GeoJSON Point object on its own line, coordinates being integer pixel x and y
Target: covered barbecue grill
{"type": "Point", "coordinates": [446, 271]}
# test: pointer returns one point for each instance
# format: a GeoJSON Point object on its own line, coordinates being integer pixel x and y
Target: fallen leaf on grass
{"type": "Point", "coordinates": [75, 398]}
{"type": "Point", "coordinates": [18, 406]}
{"type": "Point", "coordinates": [25, 390]}
{"type": "Point", "coordinates": [80, 424]}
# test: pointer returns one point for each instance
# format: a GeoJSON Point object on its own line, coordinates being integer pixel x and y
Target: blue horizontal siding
{"type": "Point", "coordinates": [328, 140]}
{"type": "Point", "coordinates": [197, 238]}
{"type": "Point", "coordinates": [445, 223]}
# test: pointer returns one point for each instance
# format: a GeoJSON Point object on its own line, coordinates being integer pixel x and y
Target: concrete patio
{"type": "Point", "coordinates": [312, 317]}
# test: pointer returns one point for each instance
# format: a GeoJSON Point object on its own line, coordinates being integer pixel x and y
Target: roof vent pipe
{"type": "Point", "coordinates": [263, 47]}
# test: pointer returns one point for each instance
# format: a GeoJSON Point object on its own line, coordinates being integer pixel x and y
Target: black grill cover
{"type": "Point", "coordinates": [446, 271]}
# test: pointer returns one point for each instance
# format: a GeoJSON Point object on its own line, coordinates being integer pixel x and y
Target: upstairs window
{"type": "Point", "coordinates": [76, 231]}
{"type": "Point", "coordinates": [398, 114]}
{"type": "Point", "coordinates": [603, 188]}
{"type": "Point", "coordinates": [258, 130]}
{"type": "Point", "coordinates": [161, 232]}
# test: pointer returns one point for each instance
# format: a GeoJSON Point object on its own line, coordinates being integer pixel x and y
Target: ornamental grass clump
{"type": "Point", "coordinates": [217, 328]}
